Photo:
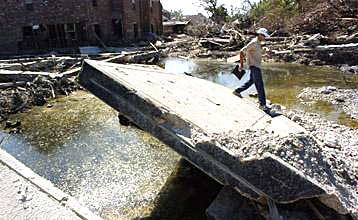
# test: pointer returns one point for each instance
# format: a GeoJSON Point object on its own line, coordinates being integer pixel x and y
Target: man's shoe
{"type": "Point", "coordinates": [266, 109]}
{"type": "Point", "coordinates": [237, 93]}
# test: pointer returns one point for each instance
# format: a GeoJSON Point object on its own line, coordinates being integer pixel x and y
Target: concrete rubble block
{"type": "Point", "coordinates": [271, 175]}
{"type": "Point", "coordinates": [193, 116]}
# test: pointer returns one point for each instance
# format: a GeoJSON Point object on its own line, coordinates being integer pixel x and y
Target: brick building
{"type": "Point", "coordinates": [41, 24]}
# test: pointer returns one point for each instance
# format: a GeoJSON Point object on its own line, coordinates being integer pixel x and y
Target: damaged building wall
{"type": "Point", "coordinates": [151, 22]}
{"type": "Point", "coordinates": [43, 24]}
{"type": "Point", "coordinates": [39, 24]}
{"type": "Point", "coordinates": [141, 17]}
{"type": "Point", "coordinates": [157, 18]}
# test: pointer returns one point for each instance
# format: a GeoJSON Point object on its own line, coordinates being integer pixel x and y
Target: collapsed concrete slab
{"type": "Point", "coordinates": [214, 130]}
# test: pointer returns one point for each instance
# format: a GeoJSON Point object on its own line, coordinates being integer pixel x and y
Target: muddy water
{"type": "Point", "coordinates": [118, 171]}
{"type": "Point", "coordinates": [79, 146]}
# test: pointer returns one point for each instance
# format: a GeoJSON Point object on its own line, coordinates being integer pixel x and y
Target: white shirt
{"type": "Point", "coordinates": [253, 52]}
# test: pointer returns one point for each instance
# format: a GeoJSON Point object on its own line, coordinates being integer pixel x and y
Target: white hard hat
{"type": "Point", "coordinates": [263, 31]}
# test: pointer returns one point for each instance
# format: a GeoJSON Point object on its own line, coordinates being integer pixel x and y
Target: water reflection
{"type": "Point", "coordinates": [174, 65]}
{"type": "Point", "coordinates": [80, 147]}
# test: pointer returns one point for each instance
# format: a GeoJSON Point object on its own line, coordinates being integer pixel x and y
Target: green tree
{"type": "Point", "coordinates": [274, 13]}
{"type": "Point", "coordinates": [241, 13]}
{"type": "Point", "coordinates": [217, 12]}
{"type": "Point", "coordinates": [177, 15]}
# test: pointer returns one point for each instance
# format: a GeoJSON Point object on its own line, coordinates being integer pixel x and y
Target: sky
{"type": "Point", "coordinates": [191, 7]}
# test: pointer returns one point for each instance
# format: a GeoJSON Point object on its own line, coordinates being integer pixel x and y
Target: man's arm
{"type": "Point", "coordinates": [243, 52]}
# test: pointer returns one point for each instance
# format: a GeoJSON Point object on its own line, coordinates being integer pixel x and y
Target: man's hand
{"type": "Point", "coordinates": [268, 53]}
{"type": "Point", "coordinates": [242, 57]}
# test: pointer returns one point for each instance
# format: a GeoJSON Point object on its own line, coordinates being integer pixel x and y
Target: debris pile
{"type": "Point", "coordinates": [328, 155]}
{"type": "Point", "coordinates": [310, 49]}
{"type": "Point", "coordinates": [326, 17]}
{"type": "Point", "coordinates": [324, 33]}
{"type": "Point", "coordinates": [23, 85]}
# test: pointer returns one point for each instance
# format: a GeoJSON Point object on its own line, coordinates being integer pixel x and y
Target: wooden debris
{"type": "Point", "coordinates": [11, 84]}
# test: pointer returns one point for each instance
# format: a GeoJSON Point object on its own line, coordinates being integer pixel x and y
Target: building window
{"type": "Point", "coordinates": [27, 32]}
{"type": "Point", "coordinates": [135, 29]}
{"type": "Point", "coordinates": [94, 3]}
{"type": "Point", "coordinates": [52, 31]}
{"type": "Point", "coordinates": [70, 31]}
{"type": "Point", "coordinates": [97, 30]}
{"type": "Point", "coordinates": [133, 4]}
{"type": "Point", "coordinates": [117, 28]}
{"type": "Point", "coordinates": [28, 4]}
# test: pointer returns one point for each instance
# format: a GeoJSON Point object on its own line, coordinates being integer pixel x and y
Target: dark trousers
{"type": "Point", "coordinates": [255, 77]}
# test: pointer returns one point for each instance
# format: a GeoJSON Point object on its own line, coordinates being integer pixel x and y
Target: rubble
{"type": "Point", "coordinates": [327, 154]}
{"type": "Point", "coordinates": [24, 84]}
{"type": "Point", "coordinates": [326, 17]}
{"type": "Point", "coordinates": [32, 80]}
{"type": "Point", "coordinates": [315, 49]}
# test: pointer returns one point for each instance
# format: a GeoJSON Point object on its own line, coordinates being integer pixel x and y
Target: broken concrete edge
{"type": "Point", "coordinates": [46, 186]}
{"type": "Point", "coordinates": [240, 168]}
{"type": "Point", "coordinates": [327, 194]}
{"type": "Point", "coordinates": [328, 197]}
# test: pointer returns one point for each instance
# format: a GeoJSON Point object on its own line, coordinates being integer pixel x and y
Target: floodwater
{"type": "Point", "coordinates": [118, 171]}
{"type": "Point", "coordinates": [79, 146]}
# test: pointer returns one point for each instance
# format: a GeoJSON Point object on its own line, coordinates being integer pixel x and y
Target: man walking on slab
{"type": "Point", "coordinates": [253, 52]}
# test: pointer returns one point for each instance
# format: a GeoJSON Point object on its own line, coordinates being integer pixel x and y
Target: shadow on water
{"type": "Point", "coordinates": [186, 195]}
